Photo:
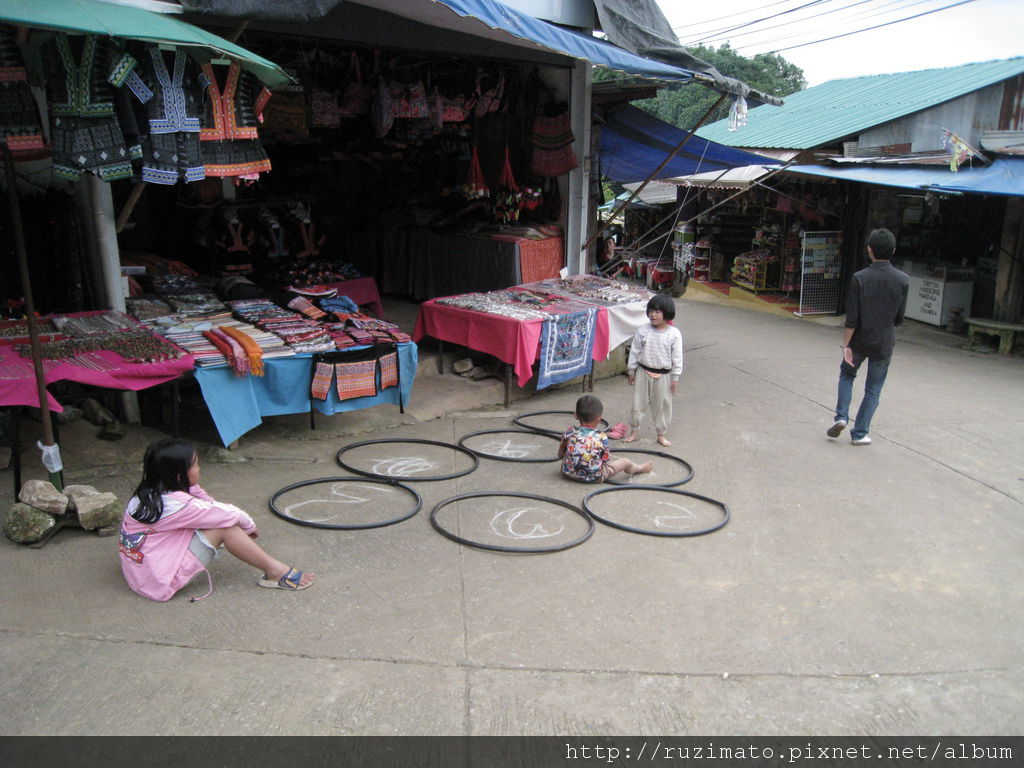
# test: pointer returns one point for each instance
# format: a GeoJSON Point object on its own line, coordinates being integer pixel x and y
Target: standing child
{"type": "Point", "coordinates": [658, 352]}
{"type": "Point", "coordinates": [172, 529]}
{"type": "Point", "coordinates": [584, 449]}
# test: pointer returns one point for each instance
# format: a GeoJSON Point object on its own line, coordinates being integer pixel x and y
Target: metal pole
{"type": "Point", "coordinates": [655, 172]}
{"type": "Point", "coordinates": [49, 446]}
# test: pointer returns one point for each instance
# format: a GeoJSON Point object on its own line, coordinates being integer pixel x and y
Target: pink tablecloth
{"type": "Point", "coordinates": [516, 342]}
{"type": "Point", "coordinates": [18, 379]}
{"type": "Point", "coordinates": [104, 369]}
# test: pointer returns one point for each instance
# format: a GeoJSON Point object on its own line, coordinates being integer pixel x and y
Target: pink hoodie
{"type": "Point", "coordinates": [154, 556]}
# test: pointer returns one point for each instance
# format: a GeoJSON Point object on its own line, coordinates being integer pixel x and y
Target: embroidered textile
{"type": "Point", "coordinates": [566, 346]}
{"type": "Point", "coordinates": [20, 126]}
{"type": "Point", "coordinates": [322, 377]}
{"type": "Point", "coordinates": [173, 100]}
{"type": "Point", "coordinates": [389, 370]}
{"type": "Point", "coordinates": [87, 135]}
{"type": "Point", "coordinates": [229, 135]}
{"type": "Point", "coordinates": [357, 379]}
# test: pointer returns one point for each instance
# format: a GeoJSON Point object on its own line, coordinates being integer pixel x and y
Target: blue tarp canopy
{"type": "Point", "coordinates": [502, 17]}
{"type": "Point", "coordinates": [1005, 176]}
{"type": "Point", "coordinates": [634, 143]}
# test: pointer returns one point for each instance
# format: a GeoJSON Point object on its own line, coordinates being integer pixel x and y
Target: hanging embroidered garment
{"type": "Point", "coordinates": [87, 135]}
{"type": "Point", "coordinates": [566, 347]}
{"type": "Point", "coordinates": [357, 379]}
{"type": "Point", "coordinates": [229, 136]}
{"type": "Point", "coordinates": [173, 99]}
{"type": "Point", "coordinates": [552, 145]}
{"type": "Point", "coordinates": [20, 126]}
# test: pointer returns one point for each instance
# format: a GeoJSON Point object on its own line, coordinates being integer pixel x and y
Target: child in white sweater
{"type": "Point", "coordinates": [658, 352]}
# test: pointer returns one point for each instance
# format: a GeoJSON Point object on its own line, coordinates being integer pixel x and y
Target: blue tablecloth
{"type": "Point", "coordinates": [238, 403]}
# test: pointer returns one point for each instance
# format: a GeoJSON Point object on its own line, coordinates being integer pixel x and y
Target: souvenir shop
{"type": "Point", "coordinates": [258, 229]}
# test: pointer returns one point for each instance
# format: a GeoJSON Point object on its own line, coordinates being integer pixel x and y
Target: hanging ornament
{"type": "Point", "coordinates": [475, 187]}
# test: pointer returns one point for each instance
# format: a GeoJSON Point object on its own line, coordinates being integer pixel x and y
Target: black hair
{"type": "Point", "coordinates": [589, 408]}
{"type": "Point", "coordinates": [882, 243]}
{"type": "Point", "coordinates": [164, 469]}
{"type": "Point", "coordinates": [663, 304]}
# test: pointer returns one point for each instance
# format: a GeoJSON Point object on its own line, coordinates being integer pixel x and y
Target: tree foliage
{"type": "Point", "coordinates": [683, 104]}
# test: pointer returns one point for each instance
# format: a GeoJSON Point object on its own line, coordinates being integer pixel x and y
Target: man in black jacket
{"type": "Point", "coordinates": [875, 306]}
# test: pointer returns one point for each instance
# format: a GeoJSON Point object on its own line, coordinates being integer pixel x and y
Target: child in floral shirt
{"type": "Point", "coordinates": [584, 449]}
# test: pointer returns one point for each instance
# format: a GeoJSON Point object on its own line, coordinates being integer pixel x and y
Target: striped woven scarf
{"type": "Point", "coordinates": [252, 349]}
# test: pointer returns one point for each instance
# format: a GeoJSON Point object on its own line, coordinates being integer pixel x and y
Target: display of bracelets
{"type": "Point", "coordinates": [483, 302]}
{"type": "Point", "coordinates": [603, 289]}
{"type": "Point", "coordinates": [92, 325]}
{"type": "Point", "coordinates": [18, 328]}
{"type": "Point", "coordinates": [133, 346]}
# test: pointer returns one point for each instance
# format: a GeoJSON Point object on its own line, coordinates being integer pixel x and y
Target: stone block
{"type": "Point", "coordinates": [24, 524]}
{"type": "Point", "coordinates": [42, 495]}
{"type": "Point", "coordinates": [95, 509]}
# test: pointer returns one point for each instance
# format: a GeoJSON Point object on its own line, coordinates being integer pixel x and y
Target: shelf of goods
{"type": "Point", "coordinates": [756, 271]}
{"type": "Point", "coordinates": [702, 263]}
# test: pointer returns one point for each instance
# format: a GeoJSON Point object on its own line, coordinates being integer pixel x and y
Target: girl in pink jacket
{"type": "Point", "coordinates": [172, 529]}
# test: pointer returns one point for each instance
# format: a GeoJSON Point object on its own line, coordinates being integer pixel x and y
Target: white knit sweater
{"type": "Point", "coordinates": [657, 349]}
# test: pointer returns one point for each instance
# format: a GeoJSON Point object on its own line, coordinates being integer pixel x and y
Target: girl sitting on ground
{"type": "Point", "coordinates": [172, 529]}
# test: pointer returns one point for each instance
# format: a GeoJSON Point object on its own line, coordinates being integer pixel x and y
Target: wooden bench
{"type": "Point", "coordinates": [1006, 332]}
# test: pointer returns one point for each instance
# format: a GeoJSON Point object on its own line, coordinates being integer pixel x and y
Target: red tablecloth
{"type": "Point", "coordinates": [363, 291]}
{"type": "Point", "coordinates": [540, 259]}
{"type": "Point", "coordinates": [18, 379]}
{"type": "Point", "coordinates": [516, 342]}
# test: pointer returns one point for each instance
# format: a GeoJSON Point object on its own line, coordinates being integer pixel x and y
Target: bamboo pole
{"type": "Point", "coordinates": [655, 172]}
{"type": "Point", "coordinates": [49, 445]}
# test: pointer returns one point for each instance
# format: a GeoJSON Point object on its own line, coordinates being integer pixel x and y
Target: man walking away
{"type": "Point", "coordinates": [874, 307]}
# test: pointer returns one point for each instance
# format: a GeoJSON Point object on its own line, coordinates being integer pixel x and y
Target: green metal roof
{"type": "Point", "coordinates": [821, 115]}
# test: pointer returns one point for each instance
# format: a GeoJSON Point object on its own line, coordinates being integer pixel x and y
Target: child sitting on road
{"type": "Point", "coordinates": [172, 529]}
{"type": "Point", "coordinates": [584, 449]}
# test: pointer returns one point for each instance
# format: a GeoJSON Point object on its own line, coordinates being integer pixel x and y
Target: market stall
{"type": "Point", "coordinates": [238, 404]}
{"type": "Point", "coordinates": [509, 324]}
{"type": "Point", "coordinates": [107, 350]}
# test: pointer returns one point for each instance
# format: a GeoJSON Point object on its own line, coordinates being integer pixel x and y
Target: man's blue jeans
{"type": "Point", "coordinates": [877, 370]}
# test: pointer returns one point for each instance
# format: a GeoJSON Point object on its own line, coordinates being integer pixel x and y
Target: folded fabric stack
{"type": "Point", "coordinates": [187, 333]}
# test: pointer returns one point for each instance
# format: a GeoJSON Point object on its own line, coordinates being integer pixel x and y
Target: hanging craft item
{"type": "Point", "coordinates": [508, 199]}
{"type": "Point", "coordinates": [475, 187]}
{"type": "Point", "coordinates": [356, 98]}
{"type": "Point", "coordinates": [552, 145]}
{"type": "Point", "coordinates": [530, 198]}
{"type": "Point", "coordinates": [381, 115]}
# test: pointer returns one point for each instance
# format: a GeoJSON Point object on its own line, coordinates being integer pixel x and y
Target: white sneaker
{"type": "Point", "coordinates": [837, 428]}
{"type": "Point", "coordinates": [866, 440]}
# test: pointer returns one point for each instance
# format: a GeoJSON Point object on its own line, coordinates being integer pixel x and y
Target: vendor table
{"type": "Point", "coordinates": [238, 403]}
{"type": "Point", "coordinates": [101, 368]}
{"type": "Point", "coordinates": [517, 342]}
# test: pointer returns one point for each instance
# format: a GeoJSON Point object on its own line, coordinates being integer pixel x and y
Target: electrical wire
{"type": "Point", "coordinates": [769, 18]}
{"type": "Point", "coordinates": [876, 26]}
{"type": "Point", "coordinates": [857, 17]}
{"type": "Point", "coordinates": [716, 38]}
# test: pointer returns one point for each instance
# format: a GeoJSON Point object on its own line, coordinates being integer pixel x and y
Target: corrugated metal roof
{"type": "Point", "coordinates": [822, 115]}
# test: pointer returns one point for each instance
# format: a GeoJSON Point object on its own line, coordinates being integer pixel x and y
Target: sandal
{"type": "Point", "coordinates": [618, 431]}
{"type": "Point", "coordinates": [291, 580]}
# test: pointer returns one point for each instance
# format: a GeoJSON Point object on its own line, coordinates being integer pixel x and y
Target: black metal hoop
{"type": "Point", "coordinates": [689, 476]}
{"type": "Point", "coordinates": [726, 515]}
{"type": "Point", "coordinates": [352, 527]}
{"type": "Point", "coordinates": [518, 422]}
{"type": "Point", "coordinates": [462, 442]}
{"type": "Point", "coordinates": [387, 478]}
{"type": "Point", "coordinates": [498, 548]}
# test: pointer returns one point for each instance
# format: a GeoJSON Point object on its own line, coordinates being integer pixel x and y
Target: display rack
{"type": "Point", "coordinates": [756, 275]}
{"type": "Point", "coordinates": [821, 267]}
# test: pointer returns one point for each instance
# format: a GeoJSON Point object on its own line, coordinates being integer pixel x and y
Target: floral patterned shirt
{"type": "Point", "coordinates": [586, 451]}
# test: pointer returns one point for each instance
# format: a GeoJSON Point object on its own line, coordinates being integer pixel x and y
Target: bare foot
{"type": "Point", "coordinates": [631, 437]}
{"type": "Point", "coordinates": [662, 440]}
{"type": "Point", "coordinates": [640, 469]}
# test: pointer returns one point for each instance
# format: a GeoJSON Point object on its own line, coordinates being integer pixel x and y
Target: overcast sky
{"type": "Point", "coordinates": [978, 30]}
